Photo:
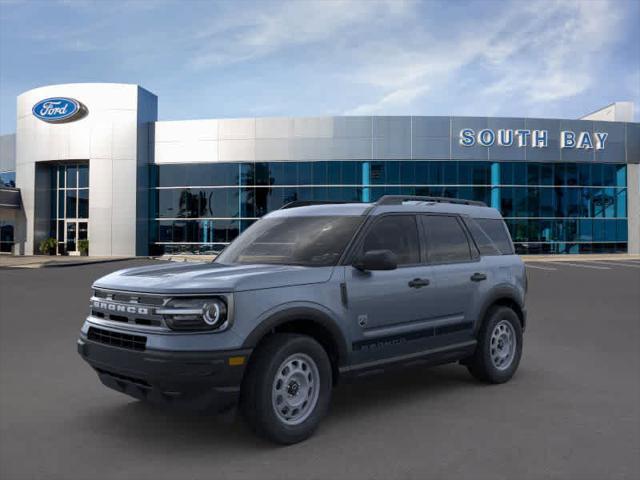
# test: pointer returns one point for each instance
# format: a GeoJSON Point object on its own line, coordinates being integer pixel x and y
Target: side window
{"type": "Point", "coordinates": [498, 233]}
{"type": "Point", "coordinates": [484, 243]}
{"type": "Point", "coordinates": [446, 239]}
{"type": "Point", "coordinates": [398, 233]}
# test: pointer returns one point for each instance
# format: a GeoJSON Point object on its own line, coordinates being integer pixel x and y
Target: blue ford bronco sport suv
{"type": "Point", "coordinates": [310, 295]}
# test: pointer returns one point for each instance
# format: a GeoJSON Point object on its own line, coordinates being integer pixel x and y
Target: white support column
{"type": "Point", "coordinates": [633, 207]}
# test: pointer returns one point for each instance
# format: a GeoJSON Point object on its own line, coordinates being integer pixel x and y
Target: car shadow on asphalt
{"type": "Point", "coordinates": [372, 396]}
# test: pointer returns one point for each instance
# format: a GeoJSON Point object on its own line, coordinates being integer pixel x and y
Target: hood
{"type": "Point", "coordinates": [196, 277]}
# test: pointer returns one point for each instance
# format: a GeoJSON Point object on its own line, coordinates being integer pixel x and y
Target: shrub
{"type": "Point", "coordinates": [83, 246]}
{"type": "Point", "coordinates": [48, 246]}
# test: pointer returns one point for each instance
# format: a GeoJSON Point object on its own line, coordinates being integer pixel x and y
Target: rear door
{"type": "Point", "coordinates": [457, 276]}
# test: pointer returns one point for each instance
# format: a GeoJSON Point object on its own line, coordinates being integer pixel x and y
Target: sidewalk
{"type": "Point", "coordinates": [526, 258]}
{"type": "Point", "coordinates": [46, 261]}
{"type": "Point", "coordinates": [579, 258]}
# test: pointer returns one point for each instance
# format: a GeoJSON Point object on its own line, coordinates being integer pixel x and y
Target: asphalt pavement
{"type": "Point", "coordinates": [571, 412]}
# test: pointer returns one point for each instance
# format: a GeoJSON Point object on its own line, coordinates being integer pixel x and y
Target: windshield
{"type": "Point", "coordinates": [309, 241]}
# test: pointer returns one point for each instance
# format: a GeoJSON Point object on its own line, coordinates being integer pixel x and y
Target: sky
{"type": "Point", "coordinates": [208, 59]}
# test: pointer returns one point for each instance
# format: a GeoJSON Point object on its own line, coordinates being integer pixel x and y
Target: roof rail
{"type": "Point", "coordinates": [398, 199]}
{"type": "Point", "coordinates": [306, 203]}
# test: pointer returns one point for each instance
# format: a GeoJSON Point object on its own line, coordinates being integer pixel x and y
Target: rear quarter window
{"type": "Point", "coordinates": [491, 236]}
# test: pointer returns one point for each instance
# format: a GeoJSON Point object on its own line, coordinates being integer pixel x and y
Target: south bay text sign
{"type": "Point", "coordinates": [531, 138]}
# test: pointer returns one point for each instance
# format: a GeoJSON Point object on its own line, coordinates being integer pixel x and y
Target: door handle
{"type": "Point", "coordinates": [418, 282]}
{"type": "Point", "coordinates": [478, 277]}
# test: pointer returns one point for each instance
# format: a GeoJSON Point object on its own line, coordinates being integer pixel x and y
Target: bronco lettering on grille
{"type": "Point", "coordinates": [118, 307]}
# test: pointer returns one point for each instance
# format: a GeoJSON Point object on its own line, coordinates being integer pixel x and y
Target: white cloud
{"type": "Point", "coordinates": [536, 52]}
{"type": "Point", "coordinates": [270, 27]}
{"type": "Point", "coordinates": [397, 98]}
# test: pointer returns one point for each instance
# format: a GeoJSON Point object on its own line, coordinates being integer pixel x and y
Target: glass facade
{"type": "Point", "coordinates": [549, 207]}
{"type": "Point", "coordinates": [8, 179]}
{"type": "Point", "coordinates": [69, 205]}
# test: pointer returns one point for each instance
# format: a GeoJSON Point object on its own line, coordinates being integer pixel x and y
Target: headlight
{"type": "Point", "coordinates": [195, 313]}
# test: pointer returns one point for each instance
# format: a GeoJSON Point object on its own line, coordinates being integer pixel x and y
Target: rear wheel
{"type": "Point", "coordinates": [499, 349]}
{"type": "Point", "coordinates": [287, 388]}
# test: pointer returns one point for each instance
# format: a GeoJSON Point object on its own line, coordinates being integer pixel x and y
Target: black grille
{"type": "Point", "coordinates": [126, 297]}
{"type": "Point", "coordinates": [116, 339]}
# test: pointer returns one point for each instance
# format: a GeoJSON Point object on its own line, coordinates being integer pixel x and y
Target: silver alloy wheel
{"type": "Point", "coordinates": [295, 389]}
{"type": "Point", "coordinates": [503, 345]}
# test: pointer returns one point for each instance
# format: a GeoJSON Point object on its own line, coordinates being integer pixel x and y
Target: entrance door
{"type": "Point", "coordinates": [71, 236]}
{"type": "Point", "coordinates": [74, 232]}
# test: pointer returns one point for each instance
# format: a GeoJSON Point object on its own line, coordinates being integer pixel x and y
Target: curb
{"type": "Point", "coordinates": [68, 264]}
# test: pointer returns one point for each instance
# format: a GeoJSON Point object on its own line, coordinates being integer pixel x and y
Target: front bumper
{"type": "Point", "coordinates": [195, 380]}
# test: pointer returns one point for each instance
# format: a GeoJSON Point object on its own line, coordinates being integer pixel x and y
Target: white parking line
{"type": "Point", "coordinates": [582, 265]}
{"type": "Point", "coordinates": [540, 268]}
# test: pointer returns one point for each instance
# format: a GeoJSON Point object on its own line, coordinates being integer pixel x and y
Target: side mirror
{"type": "Point", "coordinates": [377, 260]}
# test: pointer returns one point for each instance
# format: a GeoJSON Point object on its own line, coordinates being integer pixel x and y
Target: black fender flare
{"type": "Point", "coordinates": [309, 314]}
{"type": "Point", "coordinates": [500, 293]}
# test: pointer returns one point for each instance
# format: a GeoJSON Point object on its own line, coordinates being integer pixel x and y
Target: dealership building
{"type": "Point", "coordinates": [91, 162]}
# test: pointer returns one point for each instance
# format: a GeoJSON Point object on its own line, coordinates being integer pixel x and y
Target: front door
{"type": "Point", "coordinates": [74, 232]}
{"type": "Point", "coordinates": [384, 305]}
{"type": "Point", "coordinates": [71, 236]}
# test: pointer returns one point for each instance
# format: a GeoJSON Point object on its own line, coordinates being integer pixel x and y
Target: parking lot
{"type": "Point", "coordinates": [571, 412]}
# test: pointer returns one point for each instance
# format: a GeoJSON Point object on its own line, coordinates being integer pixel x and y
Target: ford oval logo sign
{"type": "Point", "coordinates": [59, 110]}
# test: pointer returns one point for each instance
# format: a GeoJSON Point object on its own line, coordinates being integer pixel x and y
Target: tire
{"type": "Point", "coordinates": [496, 358]}
{"type": "Point", "coordinates": [287, 372]}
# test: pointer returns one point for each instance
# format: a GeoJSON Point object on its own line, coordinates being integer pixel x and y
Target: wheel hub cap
{"type": "Point", "coordinates": [296, 388]}
{"type": "Point", "coordinates": [503, 345]}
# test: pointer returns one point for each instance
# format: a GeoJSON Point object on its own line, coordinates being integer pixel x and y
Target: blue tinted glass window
{"type": "Point", "coordinates": [559, 174]}
{"type": "Point", "coordinates": [407, 173]}
{"type": "Point", "coordinates": [422, 173]}
{"type": "Point", "coordinates": [257, 174]}
{"type": "Point", "coordinates": [71, 203]}
{"type": "Point", "coordinates": [305, 172]}
{"type": "Point", "coordinates": [597, 174]}
{"type": "Point", "coordinates": [621, 230]}
{"type": "Point", "coordinates": [289, 173]}
{"type": "Point", "coordinates": [320, 193]}
{"type": "Point", "coordinates": [335, 173]}
{"type": "Point", "coordinates": [519, 173]}
{"type": "Point", "coordinates": [8, 179]}
{"type": "Point", "coordinates": [546, 174]}
{"type": "Point", "coordinates": [72, 176]}
{"type": "Point", "coordinates": [248, 202]}
{"type": "Point", "coordinates": [533, 173]}
{"type": "Point", "coordinates": [83, 203]}
{"type": "Point", "coordinates": [584, 174]}
{"type": "Point", "coordinates": [621, 202]}
{"type": "Point", "coordinates": [83, 176]}
{"type": "Point", "coordinates": [276, 175]}
{"type": "Point", "coordinates": [571, 174]}
{"type": "Point", "coordinates": [506, 201]}
{"type": "Point", "coordinates": [450, 173]}
{"type": "Point", "coordinates": [392, 172]}
{"type": "Point", "coordinates": [320, 173]}
{"type": "Point", "coordinates": [506, 173]}
{"type": "Point", "coordinates": [351, 173]}
{"type": "Point", "coordinates": [378, 173]}
{"type": "Point", "coordinates": [585, 230]}
{"type": "Point", "coordinates": [621, 175]}
{"type": "Point", "coordinates": [172, 176]}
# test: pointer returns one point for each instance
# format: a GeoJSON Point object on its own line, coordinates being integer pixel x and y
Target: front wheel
{"type": "Point", "coordinates": [287, 388]}
{"type": "Point", "coordinates": [499, 349]}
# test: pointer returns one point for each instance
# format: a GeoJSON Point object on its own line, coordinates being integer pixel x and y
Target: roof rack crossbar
{"type": "Point", "coordinates": [399, 199]}
{"type": "Point", "coordinates": [306, 203]}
